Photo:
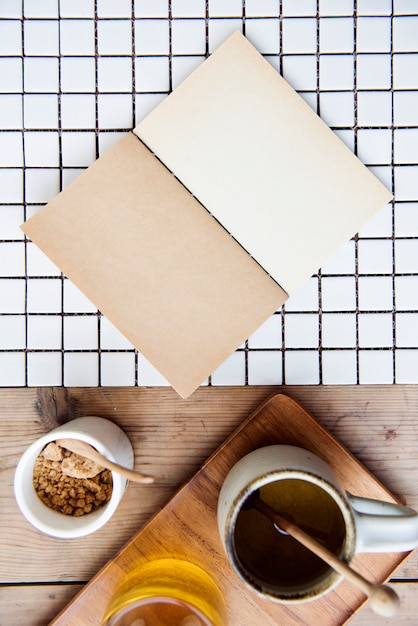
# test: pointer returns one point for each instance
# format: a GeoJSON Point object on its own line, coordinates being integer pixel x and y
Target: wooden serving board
{"type": "Point", "coordinates": [187, 528]}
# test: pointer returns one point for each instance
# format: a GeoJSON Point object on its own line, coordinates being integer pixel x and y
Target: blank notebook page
{"type": "Point", "coordinates": [263, 163]}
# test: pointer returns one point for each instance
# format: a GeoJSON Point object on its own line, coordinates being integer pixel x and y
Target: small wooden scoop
{"type": "Point", "coordinates": [87, 451]}
{"type": "Point", "coordinates": [383, 599]}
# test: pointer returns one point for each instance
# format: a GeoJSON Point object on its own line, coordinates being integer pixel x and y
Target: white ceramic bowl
{"type": "Point", "coordinates": [109, 440]}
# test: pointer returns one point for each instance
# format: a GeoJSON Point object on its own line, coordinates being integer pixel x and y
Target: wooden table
{"type": "Point", "coordinates": [39, 575]}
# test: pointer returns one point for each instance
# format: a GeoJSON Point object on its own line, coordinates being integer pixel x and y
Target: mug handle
{"type": "Point", "coordinates": [384, 526]}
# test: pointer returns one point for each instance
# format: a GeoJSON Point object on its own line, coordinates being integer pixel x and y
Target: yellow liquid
{"type": "Point", "coordinates": [271, 557]}
{"type": "Point", "coordinates": [167, 592]}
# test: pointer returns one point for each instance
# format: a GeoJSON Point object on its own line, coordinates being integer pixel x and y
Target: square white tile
{"type": "Point", "coordinates": [406, 256]}
{"type": "Point", "coordinates": [299, 35]}
{"type": "Point", "coordinates": [406, 330]}
{"type": "Point", "coordinates": [11, 111]}
{"type": "Point", "coordinates": [338, 294]}
{"type": "Point", "coordinates": [78, 148]}
{"type": "Point", "coordinates": [12, 259]}
{"type": "Point", "coordinates": [406, 290]}
{"type": "Point", "coordinates": [151, 8]}
{"type": "Point", "coordinates": [11, 75]}
{"type": "Point", "coordinates": [12, 295]}
{"type": "Point", "coordinates": [78, 111]}
{"type": "Point", "coordinates": [375, 293]}
{"type": "Point", "coordinates": [78, 74]}
{"type": "Point", "coordinates": [406, 146]}
{"type": "Point", "coordinates": [375, 257]}
{"type": "Point", "coordinates": [265, 368]}
{"type": "Point", "coordinates": [406, 219]}
{"type": "Point", "coordinates": [336, 72]}
{"type": "Point", "coordinates": [337, 108]}
{"type": "Point", "coordinates": [338, 330]}
{"type": "Point", "coordinates": [114, 37]}
{"type": "Point", "coordinates": [44, 332]}
{"type": "Point", "coordinates": [336, 34]}
{"type": "Point", "coordinates": [42, 185]}
{"type": "Point", "coordinates": [376, 367]}
{"type": "Point", "coordinates": [373, 71]}
{"type": "Point", "coordinates": [188, 8]}
{"type": "Point", "coordinates": [264, 8]}
{"type": "Point", "coordinates": [188, 36]}
{"type": "Point", "coordinates": [40, 111]}
{"type": "Point", "coordinates": [109, 8]}
{"type": "Point", "coordinates": [332, 8]}
{"type": "Point", "coordinates": [11, 149]}
{"type": "Point", "coordinates": [152, 74]}
{"type": "Point", "coordinates": [80, 332]}
{"type": "Point", "coordinates": [373, 34]}
{"type": "Point", "coordinates": [115, 111]}
{"type": "Point", "coordinates": [41, 75]}
{"type": "Point", "coordinates": [117, 369]}
{"type": "Point", "coordinates": [343, 262]}
{"type": "Point", "coordinates": [41, 149]}
{"type": "Point", "coordinates": [44, 369]}
{"type": "Point", "coordinates": [405, 71]}
{"type": "Point", "coordinates": [12, 332]}
{"type": "Point", "coordinates": [77, 38]}
{"type": "Point", "coordinates": [406, 182]}
{"type": "Point", "coordinates": [224, 8]}
{"type": "Point", "coordinates": [374, 108]}
{"type": "Point", "coordinates": [75, 301]}
{"type": "Point", "coordinates": [114, 74]}
{"type": "Point", "coordinates": [44, 295]}
{"type": "Point", "coordinates": [405, 108]}
{"type": "Point", "coordinates": [11, 185]}
{"type": "Point", "coordinates": [152, 36]}
{"type": "Point", "coordinates": [375, 330]}
{"type": "Point", "coordinates": [81, 369]}
{"type": "Point", "coordinates": [301, 330]}
{"type": "Point", "coordinates": [339, 367]}
{"type": "Point", "coordinates": [406, 364]}
{"type": "Point", "coordinates": [405, 34]}
{"type": "Point", "coordinates": [374, 7]}
{"type": "Point", "coordinates": [301, 367]}
{"type": "Point", "coordinates": [41, 37]}
{"type": "Point", "coordinates": [12, 369]}
{"type": "Point", "coordinates": [10, 38]}
{"type": "Point", "coordinates": [11, 216]}
{"type": "Point", "coordinates": [40, 8]}
{"type": "Point", "coordinates": [76, 8]}
{"type": "Point", "coordinates": [374, 147]}
{"type": "Point", "coordinates": [297, 8]}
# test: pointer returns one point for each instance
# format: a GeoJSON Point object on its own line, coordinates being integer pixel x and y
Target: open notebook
{"type": "Point", "coordinates": [192, 230]}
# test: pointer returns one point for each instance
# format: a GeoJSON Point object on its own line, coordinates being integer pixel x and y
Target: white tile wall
{"type": "Point", "coordinates": [75, 75]}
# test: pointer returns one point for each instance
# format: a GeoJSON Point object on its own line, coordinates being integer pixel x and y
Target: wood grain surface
{"type": "Point", "coordinates": [172, 438]}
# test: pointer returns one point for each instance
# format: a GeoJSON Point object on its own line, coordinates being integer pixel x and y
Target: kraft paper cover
{"type": "Point", "coordinates": [263, 163]}
{"type": "Point", "coordinates": [156, 263]}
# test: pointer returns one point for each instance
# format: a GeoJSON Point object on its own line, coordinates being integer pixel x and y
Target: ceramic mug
{"type": "Point", "coordinates": [108, 439]}
{"type": "Point", "coordinates": [299, 484]}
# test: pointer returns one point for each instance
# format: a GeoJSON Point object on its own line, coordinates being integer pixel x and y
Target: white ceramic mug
{"type": "Point", "coordinates": [109, 440]}
{"type": "Point", "coordinates": [300, 484]}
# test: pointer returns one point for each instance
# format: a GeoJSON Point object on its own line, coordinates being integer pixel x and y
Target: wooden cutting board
{"type": "Point", "coordinates": [187, 528]}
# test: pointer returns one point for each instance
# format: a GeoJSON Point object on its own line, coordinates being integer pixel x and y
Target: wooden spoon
{"type": "Point", "coordinates": [383, 599]}
{"type": "Point", "coordinates": [87, 451]}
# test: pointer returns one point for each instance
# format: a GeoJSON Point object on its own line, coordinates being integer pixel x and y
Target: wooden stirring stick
{"type": "Point", "coordinates": [87, 451]}
{"type": "Point", "coordinates": [383, 599]}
